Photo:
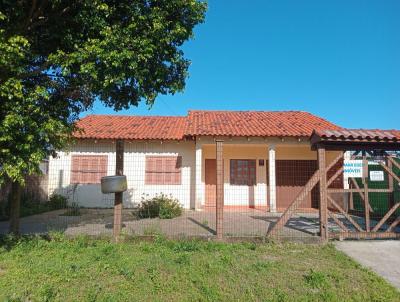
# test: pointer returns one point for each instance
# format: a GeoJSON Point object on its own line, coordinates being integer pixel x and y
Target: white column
{"type": "Point", "coordinates": [199, 201]}
{"type": "Point", "coordinates": [272, 178]}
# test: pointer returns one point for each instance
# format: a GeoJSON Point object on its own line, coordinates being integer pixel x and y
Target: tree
{"type": "Point", "coordinates": [58, 56]}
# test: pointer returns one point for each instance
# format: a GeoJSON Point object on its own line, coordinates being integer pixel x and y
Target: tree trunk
{"type": "Point", "coordinates": [15, 203]}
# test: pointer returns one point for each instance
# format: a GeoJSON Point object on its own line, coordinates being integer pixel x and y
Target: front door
{"type": "Point", "coordinates": [210, 182]}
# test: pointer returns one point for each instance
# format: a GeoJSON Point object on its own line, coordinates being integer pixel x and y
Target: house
{"type": "Point", "coordinates": [267, 158]}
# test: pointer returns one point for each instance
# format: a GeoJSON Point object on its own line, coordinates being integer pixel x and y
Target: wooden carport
{"type": "Point", "coordinates": [364, 142]}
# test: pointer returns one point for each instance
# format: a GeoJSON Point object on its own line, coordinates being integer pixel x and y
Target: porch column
{"type": "Point", "coordinates": [199, 188]}
{"type": "Point", "coordinates": [219, 190]}
{"type": "Point", "coordinates": [323, 203]}
{"type": "Point", "coordinates": [119, 170]}
{"type": "Point", "coordinates": [272, 178]}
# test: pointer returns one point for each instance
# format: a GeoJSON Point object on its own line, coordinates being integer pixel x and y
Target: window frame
{"type": "Point", "coordinates": [244, 167]}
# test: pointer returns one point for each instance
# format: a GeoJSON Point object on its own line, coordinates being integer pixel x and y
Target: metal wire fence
{"type": "Point", "coordinates": [172, 192]}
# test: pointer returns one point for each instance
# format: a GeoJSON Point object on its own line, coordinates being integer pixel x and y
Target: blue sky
{"type": "Point", "coordinates": [337, 59]}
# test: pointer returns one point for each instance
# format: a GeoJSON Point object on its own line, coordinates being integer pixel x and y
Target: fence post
{"type": "Point", "coordinates": [366, 197]}
{"type": "Point", "coordinates": [119, 170]}
{"type": "Point", "coordinates": [323, 205]}
{"type": "Point", "coordinates": [219, 189]}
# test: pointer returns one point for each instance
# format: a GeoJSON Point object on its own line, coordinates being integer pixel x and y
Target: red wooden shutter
{"type": "Point", "coordinates": [88, 169]}
{"type": "Point", "coordinates": [163, 170]}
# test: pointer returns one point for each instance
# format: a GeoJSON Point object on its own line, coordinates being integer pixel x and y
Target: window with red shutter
{"type": "Point", "coordinates": [163, 170]}
{"type": "Point", "coordinates": [88, 169]}
{"type": "Point", "coordinates": [243, 172]}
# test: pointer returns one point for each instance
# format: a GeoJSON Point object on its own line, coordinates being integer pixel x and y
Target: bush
{"type": "Point", "coordinates": [57, 202]}
{"type": "Point", "coordinates": [160, 206]}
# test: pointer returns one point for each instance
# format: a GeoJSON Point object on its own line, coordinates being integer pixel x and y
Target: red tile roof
{"type": "Point", "coordinates": [218, 123]}
{"type": "Point", "coordinates": [255, 123]}
{"type": "Point", "coordinates": [396, 133]}
{"type": "Point", "coordinates": [131, 127]}
{"type": "Point", "coordinates": [359, 135]}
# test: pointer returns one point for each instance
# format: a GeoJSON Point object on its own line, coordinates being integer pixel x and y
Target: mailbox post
{"type": "Point", "coordinates": [116, 184]}
{"type": "Point", "coordinates": [119, 170]}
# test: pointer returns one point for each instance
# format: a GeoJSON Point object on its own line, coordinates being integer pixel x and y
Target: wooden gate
{"type": "Point", "coordinates": [352, 223]}
{"type": "Point", "coordinates": [341, 220]}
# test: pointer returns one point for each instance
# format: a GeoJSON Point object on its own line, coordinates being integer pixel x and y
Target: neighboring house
{"type": "Point", "coordinates": [267, 158]}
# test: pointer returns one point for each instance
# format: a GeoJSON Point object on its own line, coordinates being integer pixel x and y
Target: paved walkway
{"type": "Point", "coordinates": [383, 257]}
{"type": "Point", "coordinates": [249, 223]}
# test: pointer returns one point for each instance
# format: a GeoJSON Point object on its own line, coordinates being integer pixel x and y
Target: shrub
{"type": "Point", "coordinates": [160, 206]}
{"type": "Point", "coordinates": [57, 201]}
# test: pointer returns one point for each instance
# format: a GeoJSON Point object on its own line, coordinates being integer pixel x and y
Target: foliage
{"type": "Point", "coordinates": [160, 206]}
{"type": "Point", "coordinates": [31, 206]}
{"type": "Point", "coordinates": [57, 57]}
{"type": "Point", "coordinates": [58, 201]}
{"type": "Point", "coordinates": [36, 269]}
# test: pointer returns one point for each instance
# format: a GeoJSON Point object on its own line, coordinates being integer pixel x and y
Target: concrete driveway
{"type": "Point", "coordinates": [383, 257]}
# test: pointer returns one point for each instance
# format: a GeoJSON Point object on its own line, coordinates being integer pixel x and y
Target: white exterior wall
{"type": "Point", "coordinates": [86, 195]}
{"type": "Point", "coordinates": [191, 191]}
{"type": "Point", "coordinates": [89, 195]}
{"type": "Point", "coordinates": [134, 169]}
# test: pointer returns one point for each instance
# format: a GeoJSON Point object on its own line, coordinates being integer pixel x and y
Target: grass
{"type": "Point", "coordinates": [83, 269]}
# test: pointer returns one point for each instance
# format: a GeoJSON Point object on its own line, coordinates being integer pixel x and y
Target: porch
{"type": "Point", "coordinates": [261, 173]}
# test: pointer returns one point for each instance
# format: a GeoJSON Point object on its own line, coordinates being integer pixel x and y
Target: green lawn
{"type": "Point", "coordinates": [95, 270]}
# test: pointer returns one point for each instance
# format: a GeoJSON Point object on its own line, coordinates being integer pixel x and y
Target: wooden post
{"type": "Point", "coordinates": [366, 197]}
{"type": "Point", "coordinates": [219, 190]}
{"type": "Point", "coordinates": [119, 170]}
{"type": "Point", "coordinates": [323, 203]}
{"type": "Point", "coordinates": [15, 205]}
{"type": "Point", "coordinates": [390, 183]}
{"type": "Point", "coordinates": [351, 198]}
